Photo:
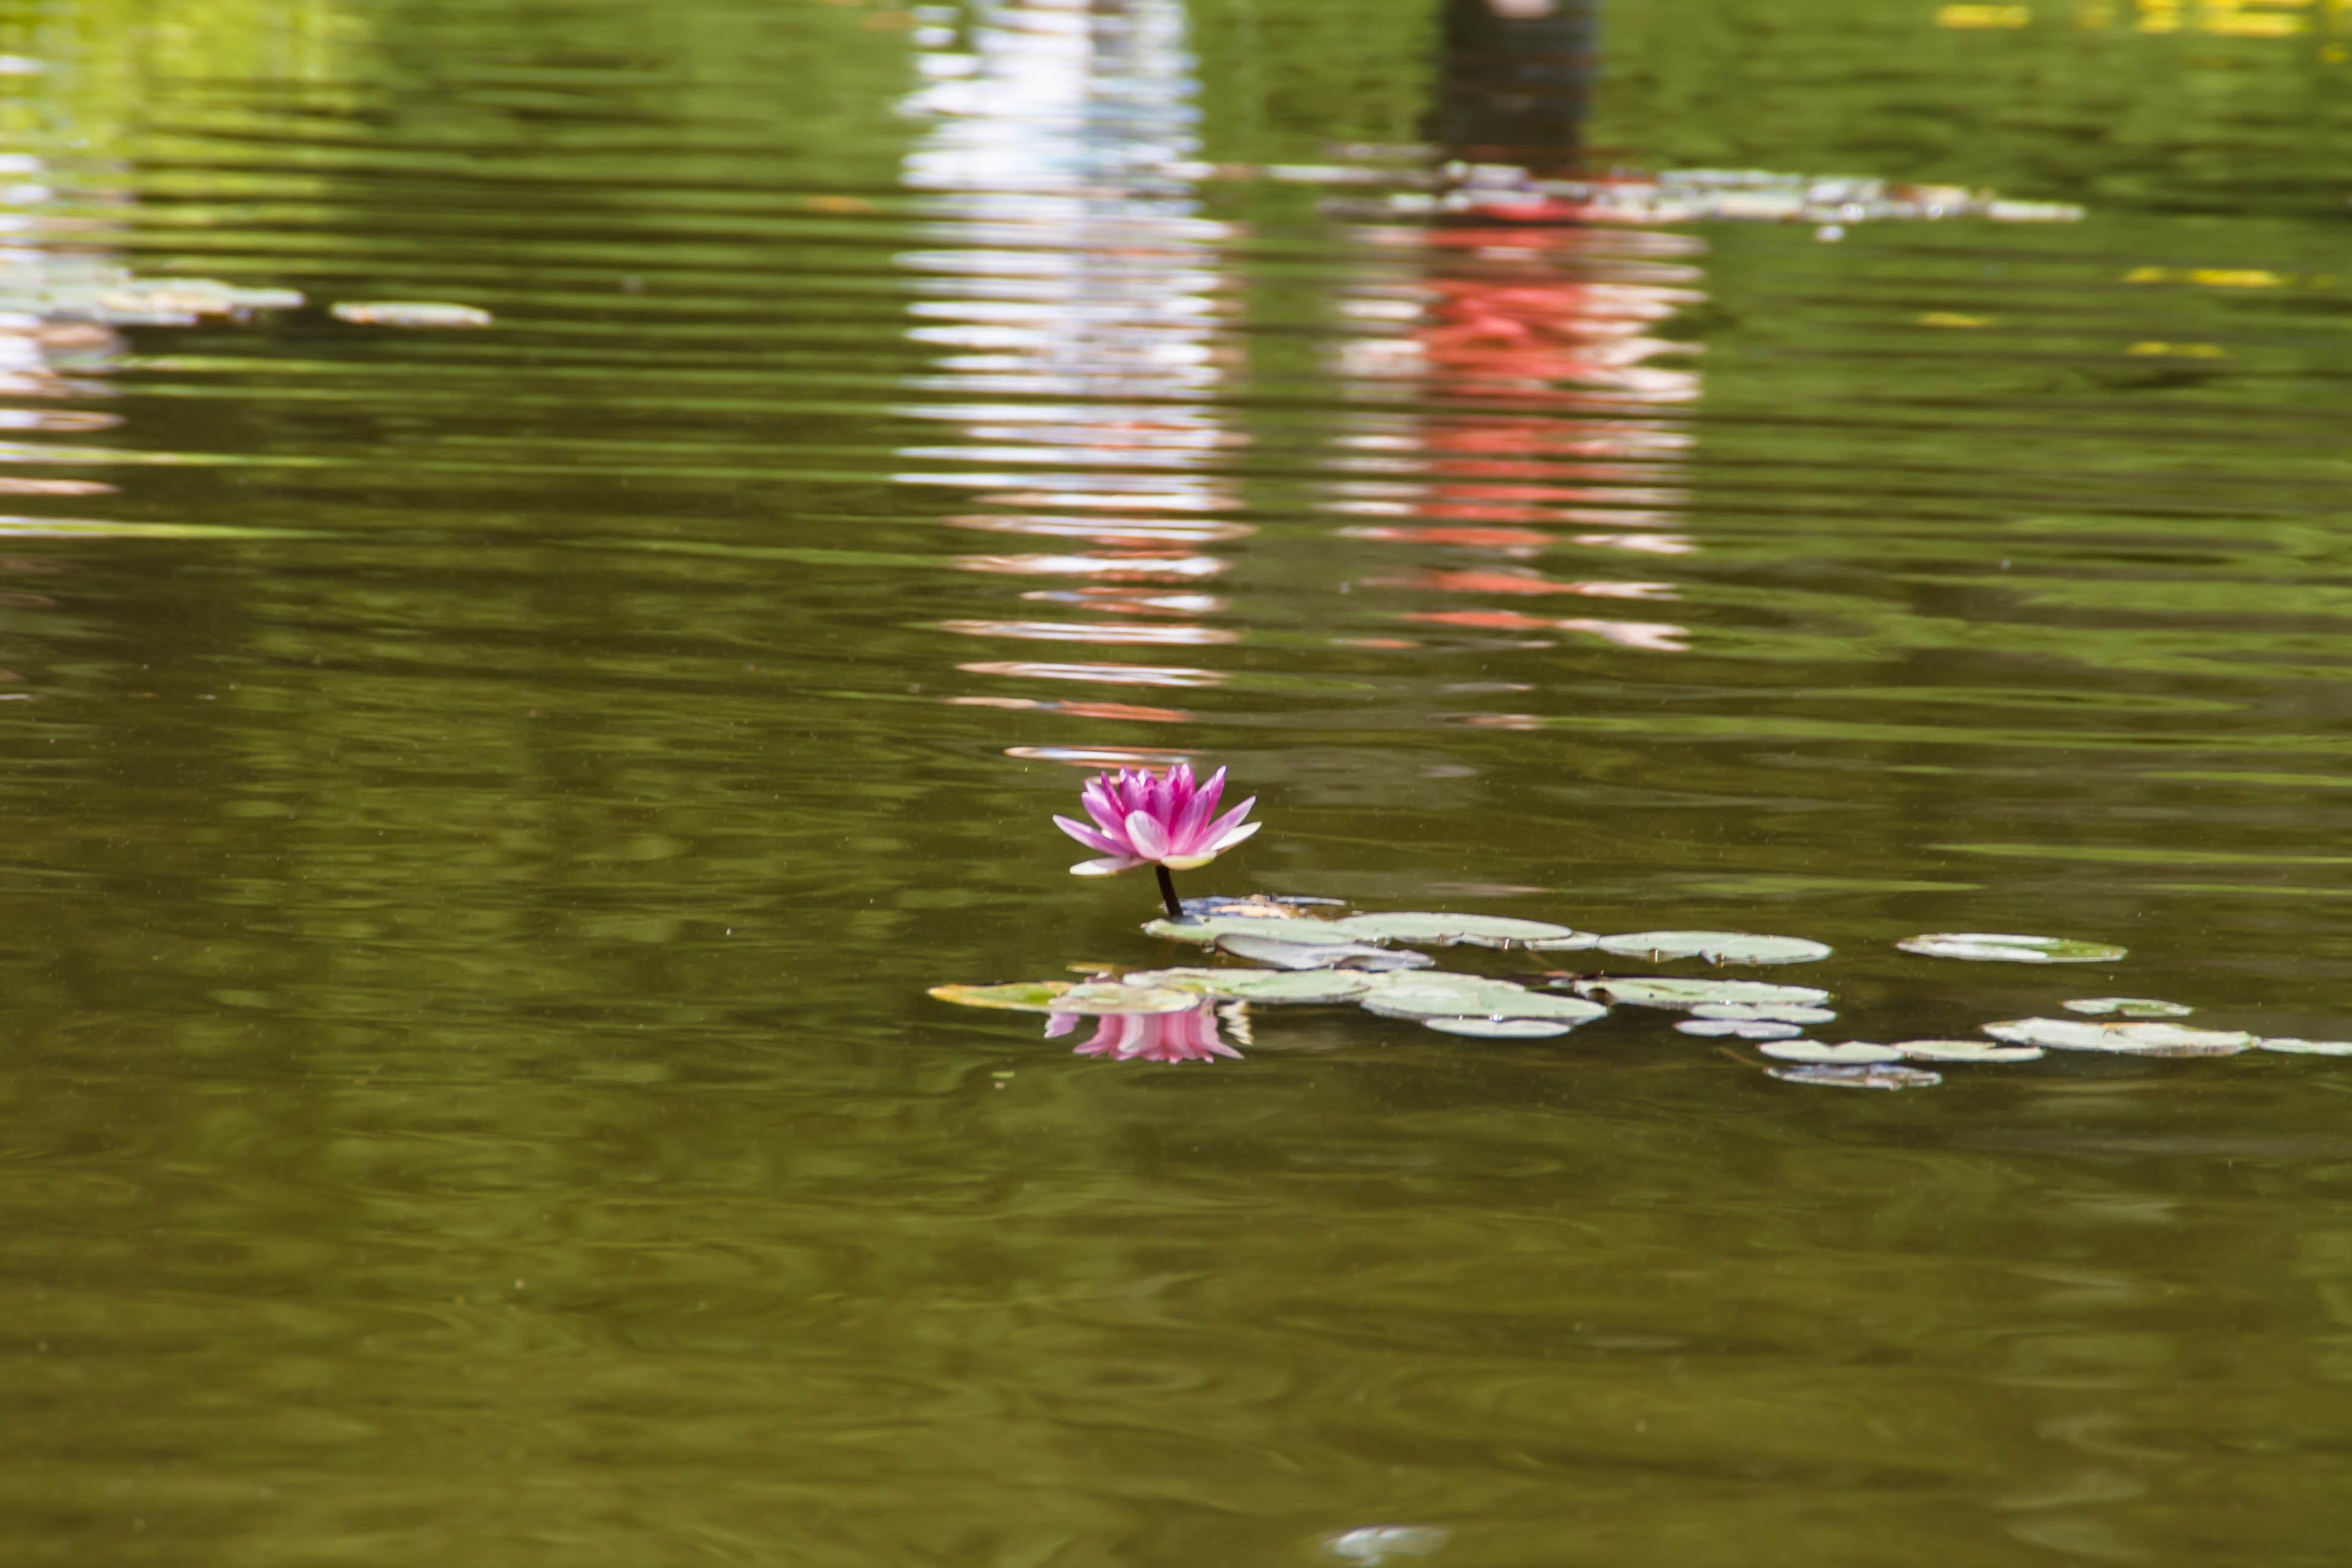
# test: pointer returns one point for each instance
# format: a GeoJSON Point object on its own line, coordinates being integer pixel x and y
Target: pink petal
{"type": "Point", "coordinates": [1090, 837]}
{"type": "Point", "coordinates": [1186, 832]}
{"type": "Point", "coordinates": [1151, 840]}
{"type": "Point", "coordinates": [1060, 1023]}
{"type": "Point", "coordinates": [1226, 824]}
{"type": "Point", "coordinates": [1220, 844]}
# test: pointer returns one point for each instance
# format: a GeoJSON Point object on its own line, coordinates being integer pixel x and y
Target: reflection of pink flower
{"type": "Point", "coordinates": [1141, 820]}
{"type": "Point", "coordinates": [1149, 1036]}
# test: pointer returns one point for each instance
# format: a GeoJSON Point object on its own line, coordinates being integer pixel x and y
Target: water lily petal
{"type": "Point", "coordinates": [1110, 866]}
{"type": "Point", "coordinates": [1219, 845]}
{"type": "Point", "coordinates": [1224, 825]}
{"type": "Point", "coordinates": [1091, 838]}
{"type": "Point", "coordinates": [1147, 835]}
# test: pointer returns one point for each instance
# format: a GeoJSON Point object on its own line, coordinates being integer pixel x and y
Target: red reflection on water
{"type": "Point", "coordinates": [1149, 1036]}
{"type": "Point", "coordinates": [1509, 580]}
{"type": "Point", "coordinates": [1650, 636]}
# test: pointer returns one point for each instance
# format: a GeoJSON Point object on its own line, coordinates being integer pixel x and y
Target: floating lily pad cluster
{"type": "Point", "coordinates": [1306, 957]}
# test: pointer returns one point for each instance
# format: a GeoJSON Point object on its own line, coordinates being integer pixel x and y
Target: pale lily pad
{"type": "Point", "coordinates": [1500, 1028]}
{"type": "Point", "coordinates": [1468, 995]}
{"type": "Point", "coordinates": [1763, 1012]}
{"type": "Point", "coordinates": [1207, 930]}
{"type": "Point", "coordinates": [1258, 985]}
{"type": "Point", "coordinates": [1742, 1028]}
{"type": "Point", "coordinates": [1995, 947]}
{"type": "Point", "coordinates": [1853, 1054]}
{"type": "Point", "coordinates": [1092, 999]}
{"type": "Point", "coordinates": [410, 314]}
{"type": "Point", "coordinates": [2306, 1048]}
{"type": "Point", "coordinates": [2126, 1007]}
{"type": "Point", "coordinates": [1659, 991]}
{"type": "Point", "coordinates": [2131, 1039]}
{"type": "Point", "coordinates": [1286, 954]}
{"type": "Point", "coordinates": [1481, 931]}
{"type": "Point", "coordinates": [1874, 1076]}
{"type": "Point", "coordinates": [1715, 946]}
{"type": "Point", "coordinates": [1965, 1051]}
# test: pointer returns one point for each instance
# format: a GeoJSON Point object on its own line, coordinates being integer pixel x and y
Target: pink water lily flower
{"type": "Point", "coordinates": [1149, 1036]}
{"type": "Point", "coordinates": [1141, 820]}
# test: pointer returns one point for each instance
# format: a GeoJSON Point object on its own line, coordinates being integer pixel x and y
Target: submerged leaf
{"type": "Point", "coordinates": [1715, 946]}
{"type": "Point", "coordinates": [2131, 1039]}
{"type": "Point", "coordinates": [1870, 1077]}
{"type": "Point", "coordinates": [1854, 1053]}
{"type": "Point", "coordinates": [2306, 1048]}
{"type": "Point", "coordinates": [1999, 948]}
{"type": "Point", "coordinates": [2126, 1007]}
{"type": "Point", "coordinates": [1660, 991]}
{"type": "Point", "coordinates": [1481, 931]}
{"type": "Point", "coordinates": [1092, 999]}
{"type": "Point", "coordinates": [1258, 985]}
{"type": "Point", "coordinates": [1500, 1028]}
{"type": "Point", "coordinates": [1763, 1012]}
{"type": "Point", "coordinates": [1965, 1051]}
{"type": "Point", "coordinates": [1284, 954]}
{"type": "Point", "coordinates": [1742, 1028]}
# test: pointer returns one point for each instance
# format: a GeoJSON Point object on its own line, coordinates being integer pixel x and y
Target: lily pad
{"type": "Point", "coordinates": [1257, 984]}
{"type": "Point", "coordinates": [1092, 999]}
{"type": "Point", "coordinates": [1208, 929]}
{"type": "Point", "coordinates": [1995, 947]}
{"type": "Point", "coordinates": [1500, 1028]}
{"type": "Point", "coordinates": [2306, 1048]}
{"type": "Point", "coordinates": [1468, 995]}
{"type": "Point", "coordinates": [410, 314]}
{"type": "Point", "coordinates": [1965, 1051]}
{"type": "Point", "coordinates": [1870, 1077]}
{"type": "Point", "coordinates": [1715, 946]}
{"type": "Point", "coordinates": [1853, 1054]}
{"type": "Point", "coordinates": [1763, 1012]}
{"type": "Point", "coordinates": [1284, 954]}
{"type": "Point", "coordinates": [1742, 1028]}
{"type": "Point", "coordinates": [1480, 931]}
{"type": "Point", "coordinates": [2126, 1007]}
{"type": "Point", "coordinates": [1660, 991]}
{"type": "Point", "coordinates": [2130, 1040]}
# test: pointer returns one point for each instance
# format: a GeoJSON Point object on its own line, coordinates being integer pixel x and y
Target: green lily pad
{"type": "Point", "coordinates": [1660, 991]}
{"type": "Point", "coordinates": [1257, 984]}
{"type": "Point", "coordinates": [2306, 1048]}
{"type": "Point", "coordinates": [1742, 1028]}
{"type": "Point", "coordinates": [1995, 947]}
{"type": "Point", "coordinates": [1965, 1051]}
{"type": "Point", "coordinates": [1093, 999]}
{"type": "Point", "coordinates": [1480, 931]}
{"type": "Point", "coordinates": [1873, 1076]}
{"type": "Point", "coordinates": [2130, 1040]}
{"type": "Point", "coordinates": [1469, 995]}
{"type": "Point", "coordinates": [1283, 955]}
{"type": "Point", "coordinates": [1854, 1053]}
{"type": "Point", "coordinates": [1763, 1012]}
{"type": "Point", "coordinates": [1715, 946]}
{"type": "Point", "coordinates": [1207, 930]}
{"type": "Point", "coordinates": [2126, 1007]}
{"type": "Point", "coordinates": [1500, 1028]}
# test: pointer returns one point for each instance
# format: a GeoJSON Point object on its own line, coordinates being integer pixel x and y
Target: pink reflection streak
{"type": "Point", "coordinates": [1650, 636]}
{"type": "Point", "coordinates": [1519, 580]}
{"type": "Point", "coordinates": [1130, 712]}
{"type": "Point", "coordinates": [1092, 632]}
{"type": "Point", "coordinates": [1148, 1036]}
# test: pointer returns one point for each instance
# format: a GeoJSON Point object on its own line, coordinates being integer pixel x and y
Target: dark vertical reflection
{"type": "Point", "coordinates": [1514, 80]}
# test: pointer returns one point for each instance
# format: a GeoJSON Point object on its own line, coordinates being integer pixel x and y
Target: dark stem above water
{"type": "Point", "coordinates": [1168, 893]}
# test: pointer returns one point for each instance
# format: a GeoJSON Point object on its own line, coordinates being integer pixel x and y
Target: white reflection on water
{"type": "Point", "coordinates": [1069, 266]}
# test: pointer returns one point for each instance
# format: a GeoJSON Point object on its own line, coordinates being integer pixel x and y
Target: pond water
{"type": "Point", "coordinates": [487, 802]}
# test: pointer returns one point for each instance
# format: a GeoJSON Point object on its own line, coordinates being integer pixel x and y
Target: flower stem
{"type": "Point", "coordinates": [1168, 893]}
